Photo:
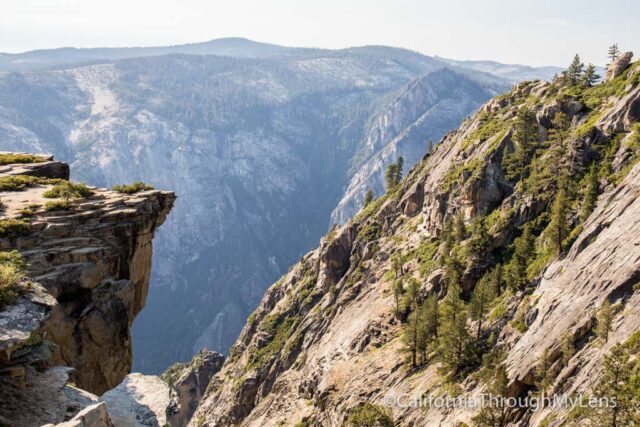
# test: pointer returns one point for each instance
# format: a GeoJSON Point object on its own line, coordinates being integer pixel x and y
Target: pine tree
{"type": "Point", "coordinates": [492, 415]}
{"type": "Point", "coordinates": [590, 194]}
{"type": "Point", "coordinates": [459, 228]}
{"type": "Point", "coordinates": [524, 251]}
{"type": "Point", "coordinates": [429, 147]}
{"type": "Point", "coordinates": [427, 326]}
{"type": "Point", "coordinates": [446, 236]}
{"type": "Point", "coordinates": [496, 280]}
{"type": "Point", "coordinates": [393, 174]}
{"type": "Point", "coordinates": [480, 302]}
{"type": "Point", "coordinates": [590, 76]}
{"type": "Point", "coordinates": [605, 321]}
{"type": "Point", "coordinates": [567, 349]}
{"type": "Point", "coordinates": [454, 335]}
{"type": "Point", "coordinates": [411, 334]}
{"type": "Point", "coordinates": [397, 263]}
{"type": "Point", "coordinates": [558, 135]}
{"type": "Point", "coordinates": [543, 372]}
{"type": "Point", "coordinates": [390, 177]}
{"type": "Point", "coordinates": [398, 292]}
{"type": "Point", "coordinates": [399, 166]}
{"type": "Point", "coordinates": [432, 321]}
{"type": "Point", "coordinates": [368, 197]}
{"type": "Point", "coordinates": [453, 269]}
{"type": "Point", "coordinates": [617, 385]}
{"type": "Point", "coordinates": [526, 138]}
{"type": "Point", "coordinates": [613, 53]}
{"type": "Point", "coordinates": [558, 225]}
{"type": "Point", "coordinates": [574, 72]}
{"type": "Point", "coordinates": [479, 242]}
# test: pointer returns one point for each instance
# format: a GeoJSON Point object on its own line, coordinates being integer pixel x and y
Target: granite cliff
{"type": "Point", "coordinates": [520, 228]}
{"type": "Point", "coordinates": [76, 263]}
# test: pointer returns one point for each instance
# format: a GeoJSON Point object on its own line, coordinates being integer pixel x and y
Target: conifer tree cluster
{"type": "Point", "coordinates": [578, 74]}
{"type": "Point", "coordinates": [442, 330]}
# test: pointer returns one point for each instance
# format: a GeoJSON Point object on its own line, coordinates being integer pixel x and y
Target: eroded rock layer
{"type": "Point", "coordinates": [88, 261]}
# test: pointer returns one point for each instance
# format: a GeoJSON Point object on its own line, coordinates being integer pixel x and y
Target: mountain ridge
{"type": "Point", "coordinates": [255, 148]}
{"type": "Point", "coordinates": [332, 340]}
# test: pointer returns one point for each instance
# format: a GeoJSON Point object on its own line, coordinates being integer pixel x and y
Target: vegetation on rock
{"type": "Point", "coordinates": [16, 158]}
{"type": "Point", "coordinates": [12, 270]}
{"type": "Point", "coordinates": [136, 187]}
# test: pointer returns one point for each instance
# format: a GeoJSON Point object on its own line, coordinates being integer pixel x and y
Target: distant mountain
{"type": "Point", "coordinates": [50, 58]}
{"type": "Point", "coordinates": [261, 144]}
{"type": "Point", "coordinates": [512, 72]}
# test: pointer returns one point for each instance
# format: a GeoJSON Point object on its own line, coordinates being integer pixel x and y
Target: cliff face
{"type": "Point", "coordinates": [424, 110]}
{"type": "Point", "coordinates": [88, 261]}
{"type": "Point", "coordinates": [327, 337]}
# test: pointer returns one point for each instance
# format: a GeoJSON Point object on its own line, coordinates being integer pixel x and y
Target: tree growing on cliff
{"type": "Point", "coordinates": [605, 321]}
{"type": "Point", "coordinates": [558, 225]}
{"type": "Point", "coordinates": [590, 194]}
{"type": "Point", "coordinates": [574, 72]}
{"type": "Point", "coordinates": [454, 336]}
{"type": "Point", "coordinates": [368, 197]}
{"type": "Point", "coordinates": [590, 76]}
{"type": "Point", "coordinates": [619, 387]}
{"type": "Point", "coordinates": [492, 414]}
{"type": "Point", "coordinates": [544, 377]}
{"type": "Point", "coordinates": [523, 253]}
{"type": "Point", "coordinates": [481, 302]}
{"type": "Point", "coordinates": [398, 292]}
{"type": "Point", "coordinates": [496, 279]}
{"type": "Point", "coordinates": [399, 167]}
{"type": "Point", "coordinates": [393, 174]}
{"type": "Point", "coordinates": [431, 318]}
{"type": "Point", "coordinates": [370, 415]}
{"type": "Point", "coordinates": [459, 228]}
{"type": "Point", "coordinates": [525, 137]}
{"type": "Point", "coordinates": [613, 53]}
{"type": "Point", "coordinates": [412, 329]}
{"type": "Point", "coordinates": [397, 263]}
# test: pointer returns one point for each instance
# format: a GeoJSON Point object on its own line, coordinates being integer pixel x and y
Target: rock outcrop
{"type": "Point", "coordinates": [95, 415]}
{"type": "Point", "coordinates": [190, 383]}
{"type": "Point", "coordinates": [88, 264]}
{"type": "Point", "coordinates": [139, 401]}
{"type": "Point", "coordinates": [326, 337]}
{"type": "Point", "coordinates": [617, 67]}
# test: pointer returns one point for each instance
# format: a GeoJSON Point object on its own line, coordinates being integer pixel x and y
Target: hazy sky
{"type": "Point", "coordinates": [536, 32]}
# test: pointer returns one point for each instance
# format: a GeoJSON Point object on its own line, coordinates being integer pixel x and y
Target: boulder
{"type": "Point", "coordinates": [92, 416]}
{"type": "Point", "coordinates": [618, 66]}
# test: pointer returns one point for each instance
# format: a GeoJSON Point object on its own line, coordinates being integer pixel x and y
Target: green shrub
{"type": "Point", "coordinates": [457, 175]}
{"type": "Point", "coordinates": [68, 190]}
{"type": "Point", "coordinates": [281, 334]}
{"type": "Point", "coordinates": [590, 122]}
{"type": "Point", "coordinates": [370, 209]}
{"type": "Point", "coordinates": [487, 129]}
{"type": "Point", "coordinates": [11, 272]}
{"type": "Point", "coordinates": [13, 227]}
{"type": "Point", "coordinates": [132, 188]}
{"type": "Point", "coordinates": [11, 158]}
{"type": "Point", "coordinates": [426, 254]}
{"type": "Point", "coordinates": [370, 415]}
{"type": "Point", "coordinates": [370, 232]}
{"type": "Point", "coordinates": [57, 205]}
{"type": "Point", "coordinates": [173, 372]}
